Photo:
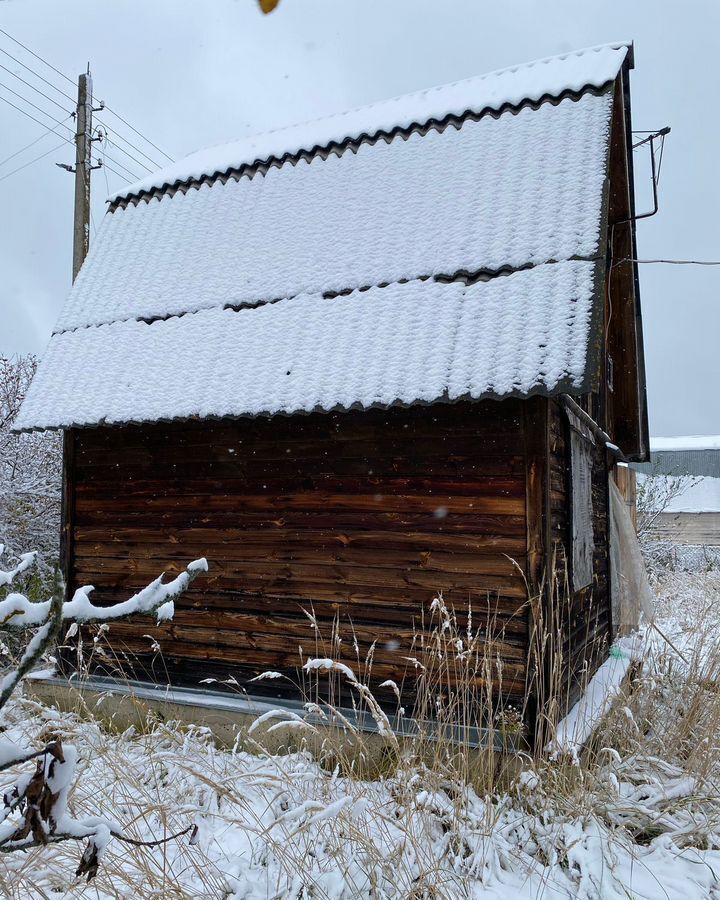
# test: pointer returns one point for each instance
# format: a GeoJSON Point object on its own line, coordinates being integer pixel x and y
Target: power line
{"type": "Point", "coordinates": [115, 172]}
{"type": "Point", "coordinates": [70, 81]}
{"type": "Point", "coordinates": [133, 158]}
{"type": "Point", "coordinates": [106, 156]}
{"type": "Point", "coordinates": [37, 158]}
{"type": "Point", "coordinates": [49, 65]}
{"type": "Point", "coordinates": [30, 103]}
{"type": "Point", "coordinates": [120, 137]}
{"type": "Point", "coordinates": [32, 87]}
{"type": "Point", "coordinates": [679, 262]}
{"type": "Point", "coordinates": [49, 83]}
{"type": "Point", "coordinates": [117, 115]}
{"type": "Point", "coordinates": [30, 116]}
{"type": "Point", "coordinates": [32, 143]}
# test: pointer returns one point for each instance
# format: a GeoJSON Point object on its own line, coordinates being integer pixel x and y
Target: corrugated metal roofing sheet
{"type": "Point", "coordinates": [285, 271]}
{"type": "Point", "coordinates": [422, 341]}
{"type": "Point", "coordinates": [495, 194]}
{"type": "Point", "coordinates": [682, 462]}
{"type": "Point", "coordinates": [530, 83]}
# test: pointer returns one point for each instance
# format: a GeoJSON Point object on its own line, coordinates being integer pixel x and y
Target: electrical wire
{"type": "Point", "coordinates": [30, 116]}
{"type": "Point", "coordinates": [33, 88]}
{"type": "Point", "coordinates": [140, 134]}
{"type": "Point", "coordinates": [116, 162]}
{"type": "Point", "coordinates": [32, 53]}
{"type": "Point", "coordinates": [133, 158]}
{"type": "Point", "coordinates": [32, 71]}
{"type": "Point", "coordinates": [119, 137]}
{"type": "Point", "coordinates": [32, 143]}
{"type": "Point", "coordinates": [37, 158]}
{"type": "Point", "coordinates": [107, 183]}
{"type": "Point", "coordinates": [115, 172]}
{"type": "Point", "coordinates": [678, 262]}
{"type": "Point", "coordinates": [30, 103]}
{"type": "Point", "coordinates": [70, 81]}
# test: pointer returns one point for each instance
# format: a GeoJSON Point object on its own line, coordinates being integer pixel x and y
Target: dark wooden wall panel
{"type": "Point", "coordinates": [363, 515]}
{"type": "Point", "coordinates": [584, 615]}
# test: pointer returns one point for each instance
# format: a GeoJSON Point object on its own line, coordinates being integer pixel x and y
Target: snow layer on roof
{"type": "Point", "coordinates": [687, 442]}
{"type": "Point", "coordinates": [593, 67]}
{"type": "Point", "coordinates": [702, 495]}
{"type": "Point", "coordinates": [420, 341]}
{"type": "Point", "coordinates": [520, 189]}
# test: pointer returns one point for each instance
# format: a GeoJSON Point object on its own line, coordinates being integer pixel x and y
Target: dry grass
{"type": "Point", "coordinates": [435, 821]}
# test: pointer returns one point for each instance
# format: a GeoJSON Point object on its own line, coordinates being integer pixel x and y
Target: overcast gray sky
{"type": "Point", "coordinates": [188, 73]}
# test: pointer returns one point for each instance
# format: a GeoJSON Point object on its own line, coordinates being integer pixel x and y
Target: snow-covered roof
{"type": "Point", "coordinates": [404, 343]}
{"type": "Point", "coordinates": [699, 495]}
{"type": "Point", "coordinates": [685, 443]}
{"type": "Point", "coordinates": [373, 274]}
{"type": "Point", "coordinates": [550, 77]}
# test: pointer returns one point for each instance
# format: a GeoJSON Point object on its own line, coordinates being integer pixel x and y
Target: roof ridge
{"type": "Point", "coordinates": [428, 90]}
{"type": "Point", "coordinates": [261, 166]}
{"type": "Point", "coordinates": [510, 86]}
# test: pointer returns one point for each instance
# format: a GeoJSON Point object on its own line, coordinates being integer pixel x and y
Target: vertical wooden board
{"type": "Point", "coordinates": [537, 475]}
{"type": "Point", "coordinates": [536, 437]}
{"type": "Point", "coordinates": [585, 623]}
{"type": "Point", "coordinates": [625, 405]}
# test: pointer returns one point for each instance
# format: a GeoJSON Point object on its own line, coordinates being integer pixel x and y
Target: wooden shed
{"type": "Point", "coordinates": [357, 362]}
{"type": "Point", "coordinates": [682, 499]}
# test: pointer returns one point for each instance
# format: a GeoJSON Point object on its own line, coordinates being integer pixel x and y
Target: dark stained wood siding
{"type": "Point", "coordinates": [623, 414]}
{"type": "Point", "coordinates": [361, 515]}
{"type": "Point", "coordinates": [585, 615]}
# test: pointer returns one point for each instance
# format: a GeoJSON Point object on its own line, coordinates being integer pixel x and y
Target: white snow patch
{"type": "Point", "coordinates": [687, 442]}
{"type": "Point", "coordinates": [574, 730]}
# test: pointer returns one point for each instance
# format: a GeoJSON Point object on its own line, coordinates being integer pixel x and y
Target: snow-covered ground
{"type": "Point", "coordinates": [639, 817]}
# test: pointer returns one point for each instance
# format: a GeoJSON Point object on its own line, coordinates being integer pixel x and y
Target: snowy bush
{"type": "Point", "coordinates": [30, 478]}
{"type": "Point", "coordinates": [35, 807]}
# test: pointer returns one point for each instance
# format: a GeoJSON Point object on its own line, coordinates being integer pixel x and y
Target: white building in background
{"type": "Point", "coordinates": [693, 515]}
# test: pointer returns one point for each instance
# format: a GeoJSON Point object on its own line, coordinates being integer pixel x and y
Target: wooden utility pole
{"type": "Point", "coordinates": [83, 165]}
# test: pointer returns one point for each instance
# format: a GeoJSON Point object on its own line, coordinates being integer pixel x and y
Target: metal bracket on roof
{"type": "Point", "coordinates": [650, 138]}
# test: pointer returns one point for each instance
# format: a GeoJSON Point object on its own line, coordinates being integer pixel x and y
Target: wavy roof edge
{"type": "Point", "coordinates": [550, 77]}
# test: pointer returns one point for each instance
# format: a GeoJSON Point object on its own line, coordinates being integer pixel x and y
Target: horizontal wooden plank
{"type": "Point", "coordinates": [445, 419]}
{"type": "Point", "coordinates": [289, 659]}
{"type": "Point", "coordinates": [300, 577]}
{"type": "Point", "coordinates": [277, 634]}
{"type": "Point", "coordinates": [179, 540]}
{"type": "Point", "coordinates": [304, 520]}
{"type": "Point", "coordinates": [263, 485]}
{"type": "Point", "coordinates": [162, 469]}
{"type": "Point", "coordinates": [410, 445]}
{"type": "Point", "coordinates": [487, 504]}
{"type": "Point", "coordinates": [239, 556]}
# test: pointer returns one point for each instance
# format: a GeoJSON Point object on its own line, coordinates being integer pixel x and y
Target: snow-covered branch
{"type": "Point", "coordinates": [40, 799]}
{"type": "Point", "coordinates": [30, 475]}
{"type": "Point", "coordinates": [26, 560]}
{"type": "Point", "coordinates": [16, 611]}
